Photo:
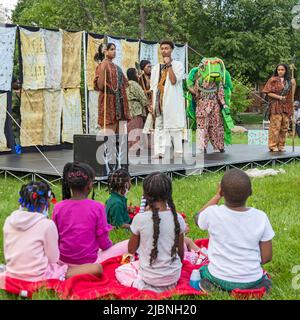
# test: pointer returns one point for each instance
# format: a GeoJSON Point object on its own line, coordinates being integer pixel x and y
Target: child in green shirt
{"type": "Point", "coordinates": [116, 205]}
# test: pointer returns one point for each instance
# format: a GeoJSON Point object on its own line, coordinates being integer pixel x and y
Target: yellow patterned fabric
{"type": "Point", "coordinates": [32, 115]}
{"type": "Point", "coordinates": [160, 57]}
{"type": "Point", "coordinates": [33, 59]}
{"type": "Point", "coordinates": [130, 54]}
{"type": "Point", "coordinates": [3, 108]}
{"type": "Point", "coordinates": [92, 49]}
{"type": "Point", "coordinates": [71, 66]}
{"type": "Point", "coordinates": [52, 117]}
{"type": "Point", "coordinates": [72, 115]}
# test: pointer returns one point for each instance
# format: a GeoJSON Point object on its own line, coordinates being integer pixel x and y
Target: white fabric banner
{"type": "Point", "coordinates": [53, 46]}
{"type": "Point", "coordinates": [53, 101]}
{"type": "Point", "coordinates": [179, 54]}
{"type": "Point", "coordinates": [72, 117]}
{"type": "Point", "coordinates": [93, 112]}
{"type": "Point", "coordinates": [7, 48]}
{"type": "Point", "coordinates": [3, 108]}
{"type": "Point", "coordinates": [149, 52]}
{"type": "Point", "coordinates": [118, 44]}
{"type": "Point", "coordinates": [33, 59]}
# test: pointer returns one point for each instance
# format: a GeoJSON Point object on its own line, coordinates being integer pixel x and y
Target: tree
{"type": "Point", "coordinates": [252, 36]}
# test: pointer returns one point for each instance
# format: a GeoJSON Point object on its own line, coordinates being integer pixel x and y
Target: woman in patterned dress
{"type": "Point", "coordinates": [117, 108]}
{"type": "Point", "coordinates": [280, 89]}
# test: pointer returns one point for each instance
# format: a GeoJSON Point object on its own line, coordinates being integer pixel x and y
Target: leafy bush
{"type": "Point", "coordinates": [240, 100]}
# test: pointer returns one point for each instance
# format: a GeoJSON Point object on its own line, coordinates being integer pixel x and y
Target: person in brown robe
{"type": "Point", "coordinates": [280, 89]}
{"type": "Point", "coordinates": [117, 108]}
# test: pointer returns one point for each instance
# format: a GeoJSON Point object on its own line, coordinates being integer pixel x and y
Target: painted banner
{"type": "Point", "coordinates": [71, 57]}
{"type": "Point", "coordinates": [53, 45]}
{"type": "Point", "coordinates": [7, 49]}
{"type": "Point", "coordinates": [3, 108]}
{"type": "Point", "coordinates": [93, 112]}
{"type": "Point", "coordinates": [32, 115]}
{"type": "Point", "coordinates": [149, 52]}
{"type": "Point", "coordinates": [117, 43]}
{"type": "Point", "coordinates": [258, 137]}
{"type": "Point", "coordinates": [72, 117]}
{"type": "Point", "coordinates": [33, 59]}
{"type": "Point", "coordinates": [92, 48]}
{"type": "Point", "coordinates": [52, 117]}
{"type": "Point", "coordinates": [130, 54]}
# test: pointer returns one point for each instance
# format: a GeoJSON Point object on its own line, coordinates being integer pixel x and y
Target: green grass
{"type": "Point", "coordinates": [250, 118]}
{"type": "Point", "coordinates": [278, 196]}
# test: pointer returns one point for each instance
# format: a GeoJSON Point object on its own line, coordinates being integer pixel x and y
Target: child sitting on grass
{"type": "Point", "coordinates": [81, 222]}
{"type": "Point", "coordinates": [116, 205]}
{"type": "Point", "coordinates": [240, 238]}
{"type": "Point", "coordinates": [31, 239]}
{"type": "Point", "coordinates": [158, 235]}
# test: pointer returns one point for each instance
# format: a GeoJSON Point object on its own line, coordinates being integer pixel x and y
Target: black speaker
{"type": "Point", "coordinates": [104, 153]}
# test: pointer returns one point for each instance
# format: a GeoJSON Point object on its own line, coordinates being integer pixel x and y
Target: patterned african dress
{"type": "Point", "coordinates": [208, 114]}
{"type": "Point", "coordinates": [280, 112]}
{"type": "Point", "coordinates": [117, 108]}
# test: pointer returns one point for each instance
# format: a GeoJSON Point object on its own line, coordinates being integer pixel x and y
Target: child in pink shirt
{"type": "Point", "coordinates": [31, 239]}
{"type": "Point", "coordinates": [81, 222]}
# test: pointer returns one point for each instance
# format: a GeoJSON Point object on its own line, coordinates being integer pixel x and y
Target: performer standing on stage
{"type": "Point", "coordinates": [111, 82]}
{"type": "Point", "coordinates": [280, 89]}
{"type": "Point", "coordinates": [138, 106]}
{"type": "Point", "coordinates": [144, 78]}
{"type": "Point", "coordinates": [206, 83]}
{"type": "Point", "coordinates": [168, 103]}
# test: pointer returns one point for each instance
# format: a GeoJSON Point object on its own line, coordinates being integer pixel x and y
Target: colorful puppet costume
{"type": "Point", "coordinates": [208, 109]}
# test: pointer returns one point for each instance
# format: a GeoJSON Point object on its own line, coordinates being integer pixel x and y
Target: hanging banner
{"type": "Point", "coordinates": [149, 52]}
{"type": "Point", "coordinates": [33, 59]}
{"type": "Point", "coordinates": [179, 54]}
{"type": "Point", "coordinates": [93, 112]}
{"type": "Point", "coordinates": [7, 49]}
{"type": "Point", "coordinates": [53, 102]}
{"type": "Point", "coordinates": [32, 115]}
{"type": "Point", "coordinates": [53, 46]}
{"type": "Point", "coordinates": [92, 48]}
{"type": "Point", "coordinates": [130, 54]}
{"type": "Point", "coordinates": [72, 116]}
{"type": "Point", "coordinates": [3, 108]}
{"type": "Point", "coordinates": [71, 66]}
{"type": "Point", "coordinates": [117, 43]}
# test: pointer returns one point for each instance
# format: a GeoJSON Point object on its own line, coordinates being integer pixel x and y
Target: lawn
{"type": "Point", "coordinates": [278, 196]}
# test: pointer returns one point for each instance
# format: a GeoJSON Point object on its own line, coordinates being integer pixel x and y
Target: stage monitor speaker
{"type": "Point", "coordinates": [104, 153]}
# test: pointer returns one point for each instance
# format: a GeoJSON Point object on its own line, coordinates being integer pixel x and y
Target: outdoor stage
{"type": "Point", "coordinates": [34, 165]}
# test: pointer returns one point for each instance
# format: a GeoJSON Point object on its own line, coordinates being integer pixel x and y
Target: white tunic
{"type": "Point", "coordinates": [173, 99]}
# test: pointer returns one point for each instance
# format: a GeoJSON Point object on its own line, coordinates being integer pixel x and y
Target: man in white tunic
{"type": "Point", "coordinates": [168, 104]}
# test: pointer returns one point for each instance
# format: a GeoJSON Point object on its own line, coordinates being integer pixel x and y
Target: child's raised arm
{"type": "Point", "coordinates": [213, 201]}
{"type": "Point", "coordinates": [265, 251]}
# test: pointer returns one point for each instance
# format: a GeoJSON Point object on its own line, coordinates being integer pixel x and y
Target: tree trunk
{"type": "Point", "coordinates": [142, 19]}
{"type": "Point", "coordinates": [105, 13]}
{"type": "Point", "coordinates": [87, 12]}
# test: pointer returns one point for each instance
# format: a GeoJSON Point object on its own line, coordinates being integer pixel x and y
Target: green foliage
{"type": "Point", "coordinates": [240, 97]}
{"type": "Point", "coordinates": [251, 36]}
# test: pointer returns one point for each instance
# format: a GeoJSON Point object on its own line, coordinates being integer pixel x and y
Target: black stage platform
{"type": "Point", "coordinates": [242, 156]}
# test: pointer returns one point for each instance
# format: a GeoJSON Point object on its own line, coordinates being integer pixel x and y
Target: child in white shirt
{"type": "Point", "coordinates": [158, 235]}
{"type": "Point", "coordinates": [240, 238]}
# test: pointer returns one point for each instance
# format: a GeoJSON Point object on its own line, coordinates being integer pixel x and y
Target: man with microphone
{"type": "Point", "coordinates": [168, 104]}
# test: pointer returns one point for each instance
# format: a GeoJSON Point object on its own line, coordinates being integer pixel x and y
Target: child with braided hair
{"type": "Point", "coordinates": [31, 240]}
{"type": "Point", "coordinates": [116, 205]}
{"type": "Point", "coordinates": [81, 222]}
{"type": "Point", "coordinates": [160, 260]}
